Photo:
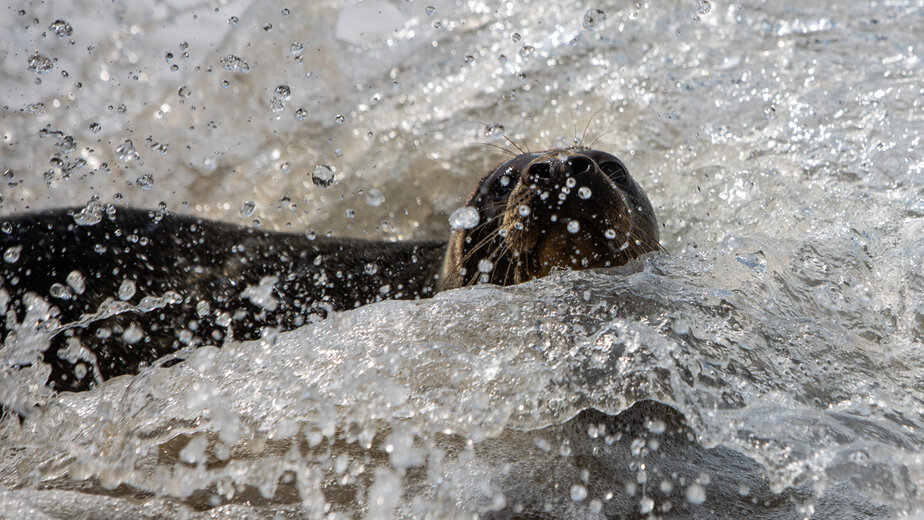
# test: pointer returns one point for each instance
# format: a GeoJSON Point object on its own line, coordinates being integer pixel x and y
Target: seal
{"type": "Point", "coordinates": [570, 208]}
{"type": "Point", "coordinates": [98, 298]}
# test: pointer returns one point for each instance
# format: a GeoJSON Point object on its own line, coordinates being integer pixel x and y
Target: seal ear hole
{"type": "Point", "coordinates": [615, 171]}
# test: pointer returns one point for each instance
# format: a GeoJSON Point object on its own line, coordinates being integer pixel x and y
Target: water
{"type": "Point", "coordinates": [779, 144]}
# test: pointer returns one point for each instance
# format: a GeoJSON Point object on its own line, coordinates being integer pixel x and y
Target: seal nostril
{"type": "Point", "coordinates": [580, 165]}
{"type": "Point", "coordinates": [540, 173]}
{"type": "Point", "coordinates": [615, 170]}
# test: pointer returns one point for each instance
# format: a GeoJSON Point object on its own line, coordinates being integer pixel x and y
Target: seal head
{"type": "Point", "coordinates": [572, 208]}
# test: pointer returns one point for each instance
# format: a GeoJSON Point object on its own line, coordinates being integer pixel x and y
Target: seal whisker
{"type": "Point", "coordinates": [587, 126]}
{"type": "Point", "coordinates": [515, 145]}
{"type": "Point", "coordinates": [501, 148]}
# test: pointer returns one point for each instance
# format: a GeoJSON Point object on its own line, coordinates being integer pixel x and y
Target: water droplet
{"type": "Point", "coordinates": [494, 131]}
{"type": "Point", "coordinates": [95, 127]}
{"type": "Point", "coordinates": [703, 7]}
{"type": "Point", "coordinates": [465, 217]}
{"type": "Point", "coordinates": [91, 214]}
{"type": "Point", "coordinates": [468, 58]}
{"type": "Point", "coordinates": [232, 62]}
{"type": "Point", "coordinates": [594, 19]}
{"type": "Point", "coordinates": [371, 268]}
{"type": "Point", "coordinates": [322, 176]}
{"type": "Point", "coordinates": [285, 167]}
{"type": "Point", "coordinates": [485, 265]}
{"type": "Point", "coordinates": [284, 92]}
{"type": "Point", "coordinates": [76, 281]}
{"type": "Point", "coordinates": [126, 290]}
{"type": "Point", "coordinates": [62, 291]}
{"type": "Point", "coordinates": [247, 208]}
{"type": "Point", "coordinates": [350, 213]}
{"type": "Point", "coordinates": [126, 151]}
{"type": "Point", "coordinates": [133, 334]}
{"type": "Point", "coordinates": [646, 505]}
{"type": "Point", "coordinates": [300, 114]}
{"type": "Point", "coordinates": [310, 234]}
{"type": "Point", "coordinates": [523, 210]}
{"type": "Point", "coordinates": [11, 255]}
{"type": "Point", "coordinates": [374, 197]}
{"type": "Point", "coordinates": [570, 182]}
{"type": "Point", "coordinates": [184, 91]}
{"type": "Point", "coordinates": [233, 21]}
{"type": "Point", "coordinates": [574, 226]}
{"type": "Point", "coordinates": [285, 12]}
{"type": "Point", "coordinates": [696, 494]}
{"type": "Point", "coordinates": [515, 37]}
{"type": "Point", "coordinates": [61, 28]}
{"type": "Point", "coordinates": [431, 10]}
{"type": "Point", "coordinates": [297, 48]}
{"type": "Point", "coordinates": [526, 51]}
{"type": "Point", "coordinates": [40, 63]}
{"type": "Point", "coordinates": [578, 492]}
{"type": "Point", "coordinates": [339, 119]}
{"type": "Point", "coordinates": [584, 192]}
{"type": "Point", "coordinates": [268, 27]}
{"type": "Point", "coordinates": [145, 182]}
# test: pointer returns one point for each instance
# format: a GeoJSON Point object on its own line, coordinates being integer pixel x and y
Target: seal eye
{"type": "Point", "coordinates": [615, 171]}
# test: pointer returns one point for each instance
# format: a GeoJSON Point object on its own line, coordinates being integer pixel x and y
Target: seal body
{"type": "Point", "coordinates": [123, 292]}
{"type": "Point", "coordinates": [98, 299]}
{"type": "Point", "coordinates": [568, 208]}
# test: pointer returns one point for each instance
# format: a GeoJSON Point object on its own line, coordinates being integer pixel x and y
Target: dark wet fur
{"type": "Point", "coordinates": [208, 264]}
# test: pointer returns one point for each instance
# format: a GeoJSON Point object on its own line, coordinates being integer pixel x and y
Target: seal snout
{"type": "Point", "coordinates": [572, 208]}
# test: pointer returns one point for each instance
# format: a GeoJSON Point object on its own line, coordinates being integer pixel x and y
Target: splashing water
{"type": "Point", "coordinates": [779, 145]}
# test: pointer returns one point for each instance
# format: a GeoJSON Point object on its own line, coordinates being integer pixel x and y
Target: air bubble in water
{"type": "Point", "coordinates": [61, 28]}
{"type": "Point", "coordinates": [465, 217]}
{"type": "Point", "coordinates": [594, 19]}
{"type": "Point", "coordinates": [322, 176]}
{"type": "Point", "coordinates": [247, 208]}
{"type": "Point", "coordinates": [145, 182]}
{"type": "Point", "coordinates": [40, 63]}
{"type": "Point", "coordinates": [584, 192]}
{"type": "Point", "coordinates": [574, 226]}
